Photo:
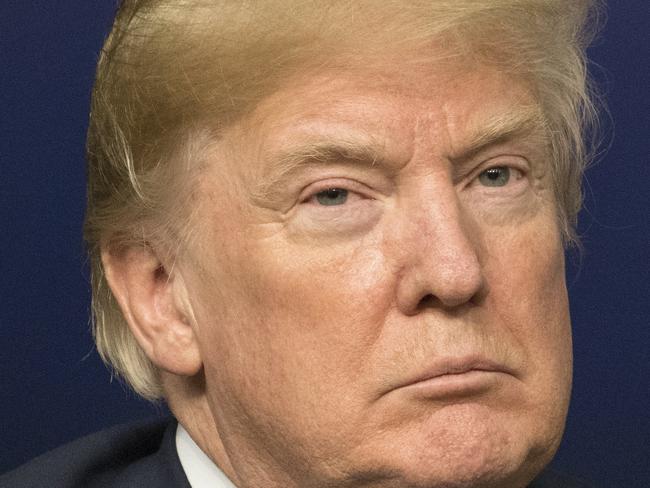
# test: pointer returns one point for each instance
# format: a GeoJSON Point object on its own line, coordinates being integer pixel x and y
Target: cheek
{"type": "Point", "coordinates": [291, 335]}
{"type": "Point", "coordinates": [528, 295]}
{"type": "Point", "coordinates": [527, 302]}
{"type": "Point", "coordinates": [330, 301]}
{"type": "Point", "coordinates": [528, 276]}
{"type": "Point", "coordinates": [298, 313]}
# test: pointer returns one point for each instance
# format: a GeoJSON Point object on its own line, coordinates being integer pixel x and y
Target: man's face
{"type": "Point", "coordinates": [378, 282]}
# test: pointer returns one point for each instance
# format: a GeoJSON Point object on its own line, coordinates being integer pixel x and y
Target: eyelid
{"type": "Point", "coordinates": [352, 186]}
{"type": "Point", "coordinates": [518, 163]}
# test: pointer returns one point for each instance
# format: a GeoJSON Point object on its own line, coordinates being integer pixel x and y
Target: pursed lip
{"type": "Point", "coordinates": [456, 366]}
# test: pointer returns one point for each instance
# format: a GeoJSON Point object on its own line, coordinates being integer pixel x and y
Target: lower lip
{"type": "Point", "coordinates": [449, 386]}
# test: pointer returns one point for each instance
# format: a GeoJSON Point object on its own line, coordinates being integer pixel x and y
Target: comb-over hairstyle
{"type": "Point", "coordinates": [174, 73]}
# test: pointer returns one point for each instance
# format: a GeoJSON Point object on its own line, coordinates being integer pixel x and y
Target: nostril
{"type": "Point", "coordinates": [428, 301]}
{"type": "Point", "coordinates": [453, 295]}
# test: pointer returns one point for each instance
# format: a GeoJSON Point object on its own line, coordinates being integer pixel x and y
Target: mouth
{"type": "Point", "coordinates": [458, 377]}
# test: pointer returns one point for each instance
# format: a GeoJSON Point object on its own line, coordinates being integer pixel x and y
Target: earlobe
{"type": "Point", "coordinates": [154, 306]}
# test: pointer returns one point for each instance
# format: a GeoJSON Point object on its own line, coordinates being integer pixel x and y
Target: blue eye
{"type": "Point", "coordinates": [497, 176]}
{"type": "Point", "coordinates": [332, 196]}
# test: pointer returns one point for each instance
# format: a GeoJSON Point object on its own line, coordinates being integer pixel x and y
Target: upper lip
{"type": "Point", "coordinates": [458, 365]}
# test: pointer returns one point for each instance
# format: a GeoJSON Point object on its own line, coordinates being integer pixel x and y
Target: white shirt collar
{"type": "Point", "coordinates": [200, 470]}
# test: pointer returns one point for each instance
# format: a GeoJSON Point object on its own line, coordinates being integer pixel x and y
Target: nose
{"type": "Point", "coordinates": [440, 252]}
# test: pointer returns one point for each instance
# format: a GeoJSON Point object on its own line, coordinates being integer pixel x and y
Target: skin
{"type": "Point", "coordinates": [297, 339]}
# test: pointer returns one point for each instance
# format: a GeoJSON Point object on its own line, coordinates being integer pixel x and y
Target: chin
{"type": "Point", "coordinates": [463, 447]}
{"type": "Point", "coordinates": [470, 467]}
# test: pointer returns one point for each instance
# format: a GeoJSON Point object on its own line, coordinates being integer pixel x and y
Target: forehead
{"type": "Point", "coordinates": [393, 107]}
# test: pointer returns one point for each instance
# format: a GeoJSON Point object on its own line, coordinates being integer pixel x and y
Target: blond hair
{"type": "Point", "coordinates": [173, 73]}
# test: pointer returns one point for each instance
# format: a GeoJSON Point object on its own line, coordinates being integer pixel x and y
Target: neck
{"type": "Point", "coordinates": [187, 401]}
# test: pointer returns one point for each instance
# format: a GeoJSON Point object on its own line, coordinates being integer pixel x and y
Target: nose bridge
{"type": "Point", "coordinates": [441, 227]}
{"type": "Point", "coordinates": [441, 250]}
{"type": "Point", "coordinates": [444, 232]}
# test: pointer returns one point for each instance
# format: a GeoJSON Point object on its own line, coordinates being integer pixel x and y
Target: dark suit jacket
{"type": "Point", "coordinates": [139, 455]}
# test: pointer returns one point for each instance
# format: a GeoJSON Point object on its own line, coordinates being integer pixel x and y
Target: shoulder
{"type": "Point", "coordinates": [135, 454]}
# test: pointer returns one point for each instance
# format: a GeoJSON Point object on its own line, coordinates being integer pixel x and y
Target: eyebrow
{"type": "Point", "coordinates": [321, 152]}
{"type": "Point", "coordinates": [502, 128]}
{"type": "Point", "coordinates": [370, 153]}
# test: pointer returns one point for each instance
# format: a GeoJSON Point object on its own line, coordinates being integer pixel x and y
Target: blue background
{"type": "Point", "coordinates": [53, 387]}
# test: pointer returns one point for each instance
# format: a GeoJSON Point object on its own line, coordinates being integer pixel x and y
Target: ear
{"type": "Point", "coordinates": [154, 305]}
